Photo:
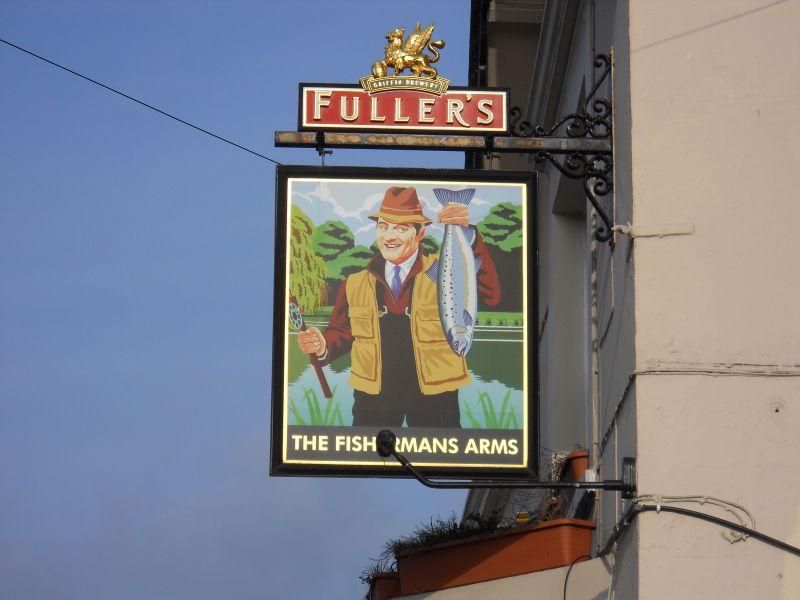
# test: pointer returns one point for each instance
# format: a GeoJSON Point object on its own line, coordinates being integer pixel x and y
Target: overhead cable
{"type": "Point", "coordinates": [725, 523]}
{"type": "Point", "coordinates": [635, 509]}
{"type": "Point", "coordinates": [145, 104]}
{"type": "Point", "coordinates": [744, 516]}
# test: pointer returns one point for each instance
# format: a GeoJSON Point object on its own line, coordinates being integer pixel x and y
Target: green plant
{"type": "Point", "coordinates": [384, 565]}
{"type": "Point", "coordinates": [506, 418]}
{"type": "Point", "coordinates": [331, 416]}
{"type": "Point", "coordinates": [439, 530]}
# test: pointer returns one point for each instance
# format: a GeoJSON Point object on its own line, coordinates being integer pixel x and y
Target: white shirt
{"type": "Point", "coordinates": [405, 268]}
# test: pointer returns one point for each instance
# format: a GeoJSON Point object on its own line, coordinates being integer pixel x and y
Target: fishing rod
{"type": "Point", "coordinates": [298, 323]}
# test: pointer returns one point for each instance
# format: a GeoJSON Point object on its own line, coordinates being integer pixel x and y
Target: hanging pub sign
{"type": "Point", "coordinates": [420, 101]}
{"type": "Point", "coordinates": [405, 300]}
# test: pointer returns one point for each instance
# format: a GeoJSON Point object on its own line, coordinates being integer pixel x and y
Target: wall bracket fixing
{"type": "Point", "coordinates": [386, 441]}
{"type": "Point", "coordinates": [592, 122]}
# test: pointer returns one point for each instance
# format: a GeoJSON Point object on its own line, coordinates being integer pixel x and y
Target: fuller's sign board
{"type": "Point", "coordinates": [420, 101]}
{"type": "Point", "coordinates": [405, 300]}
{"type": "Point", "coordinates": [352, 108]}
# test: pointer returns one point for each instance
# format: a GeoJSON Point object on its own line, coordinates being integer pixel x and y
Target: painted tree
{"type": "Point", "coordinates": [306, 269]}
{"type": "Point", "coordinates": [502, 227]}
{"type": "Point", "coordinates": [348, 262]}
{"type": "Point", "coordinates": [332, 238]}
{"type": "Point", "coordinates": [430, 246]}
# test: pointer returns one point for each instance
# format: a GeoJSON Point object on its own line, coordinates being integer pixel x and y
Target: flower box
{"type": "Point", "coordinates": [384, 586]}
{"type": "Point", "coordinates": [495, 555]}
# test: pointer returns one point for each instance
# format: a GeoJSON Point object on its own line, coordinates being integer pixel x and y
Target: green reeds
{"type": "Point", "coordinates": [332, 414]}
{"type": "Point", "coordinates": [505, 418]}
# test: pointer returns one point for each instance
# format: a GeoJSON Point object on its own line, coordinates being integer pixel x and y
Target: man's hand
{"type": "Point", "coordinates": [454, 214]}
{"type": "Point", "coordinates": [311, 341]}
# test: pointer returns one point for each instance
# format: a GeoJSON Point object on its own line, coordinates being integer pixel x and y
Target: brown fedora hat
{"type": "Point", "coordinates": [401, 205]}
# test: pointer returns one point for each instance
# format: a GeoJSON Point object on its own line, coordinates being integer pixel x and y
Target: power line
{"type": "Point", "coordinates": [145, 104]}
{"type": "Point", "coordinates": [636, 508]}
{"type": "Point", "coordinates": [762, 537]}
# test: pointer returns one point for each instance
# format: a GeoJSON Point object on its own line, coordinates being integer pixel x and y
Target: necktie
{"type": "Point", "coordinates": [396, 282]}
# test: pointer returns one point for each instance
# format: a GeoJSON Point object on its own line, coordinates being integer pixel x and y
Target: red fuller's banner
{"type": "Point", "coordinates": [351, 108]}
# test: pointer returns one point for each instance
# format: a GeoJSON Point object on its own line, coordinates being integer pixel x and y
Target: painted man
{"type": "Point", "coordinates": [387, 317]}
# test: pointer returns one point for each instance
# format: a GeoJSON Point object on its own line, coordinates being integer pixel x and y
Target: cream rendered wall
{"type": "Point", "coordinates": [697, 357]}
{"type": "Point", "coordinates": [714, 94]}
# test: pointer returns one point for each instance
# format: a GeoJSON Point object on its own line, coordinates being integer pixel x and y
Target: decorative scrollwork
{"type": "Point", "coordinates": [596, 172]}
{"type": "Point", "coordinates": [518, 128]}
{"type": "Point", "coordinates": [593, 121]}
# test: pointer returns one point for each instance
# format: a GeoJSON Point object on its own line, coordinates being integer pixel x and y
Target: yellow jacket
{"type": "Point", "coordinates": [439, 369]}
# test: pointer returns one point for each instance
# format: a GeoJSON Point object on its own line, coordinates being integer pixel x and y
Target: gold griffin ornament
{"type": "Point", "coordinates": [408, 55]}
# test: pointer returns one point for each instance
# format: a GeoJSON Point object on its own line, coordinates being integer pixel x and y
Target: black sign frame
{"type": "Point", "coordinates": [391, 469]}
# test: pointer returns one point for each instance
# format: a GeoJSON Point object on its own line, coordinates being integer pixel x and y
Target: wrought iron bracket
{"type": "Point", "coordinates": [592, 122]}
{"type": "Point", "coordinates": [386, 441]}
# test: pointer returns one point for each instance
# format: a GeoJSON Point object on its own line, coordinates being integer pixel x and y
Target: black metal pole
{"type": "Point", "coordinates": [627, 485]}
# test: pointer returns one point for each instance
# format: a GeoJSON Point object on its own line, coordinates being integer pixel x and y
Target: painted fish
{"type": "Point", "coordinates": [456, 277]}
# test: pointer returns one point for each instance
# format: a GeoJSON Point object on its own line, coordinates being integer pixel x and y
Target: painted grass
{"type": "Point", "coordinates": [514, 319]}
{"type": "Point", "coordinates": [485, 317]}
{"type": "Point", "coordinates": [331, 415]}
{"type": "Point", "coordinates": [490, 417]}
{"type": "Point", "coordinates": [321, 312]}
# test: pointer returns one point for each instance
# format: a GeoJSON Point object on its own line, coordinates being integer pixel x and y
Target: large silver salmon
{"type": "Point", "coordinates": [457, 277]}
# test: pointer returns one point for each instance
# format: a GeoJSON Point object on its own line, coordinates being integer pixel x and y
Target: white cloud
{"type": "Point", "coordinates": [432, 206]}
{"type": "Point", "coordinates": [365, 229]}
{"type": "Point", "coordinates": [306, 197]}
{"type": "Point", "coordinates": [323, 194]}
{"type": "Point", "coordinates": [435, 228]}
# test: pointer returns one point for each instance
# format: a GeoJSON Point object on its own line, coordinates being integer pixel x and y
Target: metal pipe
{"type": "Point", "coordinates": [627, 485]}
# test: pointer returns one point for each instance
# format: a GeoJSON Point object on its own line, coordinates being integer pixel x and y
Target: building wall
{"type": "Point", "coordinates": [714, 93]}
{"type": "Point", "coordinates": [679, 346]}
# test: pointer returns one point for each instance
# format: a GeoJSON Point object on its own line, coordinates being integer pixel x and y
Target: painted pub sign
{"type": "Point", "coordinates": [404, 301]}
{"type": "Point", "coordinates": [405, 298]}
{"type": "Point", "coordinates": [389, 99]}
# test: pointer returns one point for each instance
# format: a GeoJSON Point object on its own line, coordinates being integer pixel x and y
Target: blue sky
{"type": "Point", "coordinates": [136, 257]}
